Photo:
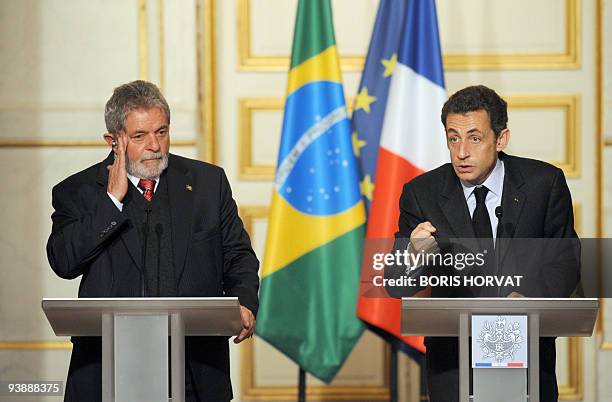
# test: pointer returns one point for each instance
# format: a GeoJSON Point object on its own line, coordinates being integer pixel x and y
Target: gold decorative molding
{"type": "Point", "coordinates": [573, 389]}
{"type": "Point", "coordinates": [602, 142]}
{"type": "Point", "coordinates": [248, 169]}
{"type": "Point", "coordinates": [253, 392]}
{"type": "Point", "coordinates": [35, 345]}
{"type": "Point", "coordinates": [206, 59]}
{"type": "Point", "coordinates": [568, 59]}
{"type": "Point", "coordinates": [31, 143]}
{"type": "Point", "coordinates": [249, 62]}
{"type": "Point", "coordinates": [570, 104]}
{"type": "Point", "coordinates": [143, 40]}
{"type": "Point", "coordinates": [249, 213]}
{"type": "Point", "coordinates": [32, 106]}
{"type": "Point", "coordinates": [162, 55]}
{"type": "Point", "coordinates": [599, 109]}
{"type": "Point", "coordinates": [578, 218]}
{"type": "Point", "coordinates": [603, 343]}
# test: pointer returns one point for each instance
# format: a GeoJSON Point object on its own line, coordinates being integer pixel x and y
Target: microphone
{"type": "Point", "coordinates": [499, 212]}
{"type": "Point", "coordinates": [145, 235]}
{"type": "Point", "coordinates": [159, 230]}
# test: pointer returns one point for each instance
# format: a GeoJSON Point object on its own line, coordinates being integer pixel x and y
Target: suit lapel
{"type": "Point", "coordinates": [513, 199]}
{"type": "Point", "coordinates": [453, 205]}
{"type": "Point", "coordinates": [181, 209]}
{"type": "Point", "coordinates": [129, 236]}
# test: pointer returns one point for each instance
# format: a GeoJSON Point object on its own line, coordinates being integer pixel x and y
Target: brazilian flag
{"type": "Point", "coordinates": [310, 274]}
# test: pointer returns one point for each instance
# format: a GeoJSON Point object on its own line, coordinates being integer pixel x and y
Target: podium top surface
{"type": "Point", "coordinates": [203, 316]}
{"type": "Point", "coordinates": [440, 316]}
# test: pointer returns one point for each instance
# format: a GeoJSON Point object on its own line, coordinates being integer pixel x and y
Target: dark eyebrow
{"type": "Point", "coordinates": [474, 130]}
{"type": "Point", "coordinates": [452, 130]}
{"type": "Point", "coordinates": [164, 127]}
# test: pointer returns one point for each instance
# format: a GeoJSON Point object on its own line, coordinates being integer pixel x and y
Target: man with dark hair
{"type": "Point", "coordinates": [460, 199]}
{"type": "Point", "coordinates": [145, 222]}
{"type": "Point", "coordinates": [476, 98]}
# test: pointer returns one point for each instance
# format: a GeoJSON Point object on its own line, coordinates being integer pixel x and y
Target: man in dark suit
{"type": "Point", "coordinates": [144, 222]}
{"type": "Point", "coordinates": [486, 194]}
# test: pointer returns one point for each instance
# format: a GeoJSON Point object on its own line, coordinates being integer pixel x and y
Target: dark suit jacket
{"type": "Point", "coordinates": [211, 250]}
{"type": "Point", "coordinates": [536, 204]}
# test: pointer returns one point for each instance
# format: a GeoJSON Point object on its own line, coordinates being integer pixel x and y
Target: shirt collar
{"type": "Point", "coordinates": [135, 180]}
{"type": "Point", "coordinates": [495, 181]}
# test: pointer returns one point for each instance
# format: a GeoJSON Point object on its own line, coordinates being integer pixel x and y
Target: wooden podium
{"type": "Point", "coordinates": [452, 317]}
{"type": "Point", "coordinates": [135, 334]}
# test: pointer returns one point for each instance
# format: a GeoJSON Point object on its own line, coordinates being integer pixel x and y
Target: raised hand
{"type": "Point", "coordinates": [117, 173]}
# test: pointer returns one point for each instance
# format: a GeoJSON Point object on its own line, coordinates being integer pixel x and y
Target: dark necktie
{"type": "Point", "coordinates": [147, 187]}
{"type": "Point", "coordinates": [480, 218]}
{"type": "Point", "coordinates": [482, 229]}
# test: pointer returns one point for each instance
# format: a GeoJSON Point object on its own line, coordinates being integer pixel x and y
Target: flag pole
{"type": "Point", "coordinates": [422, 370]}
{"type": "Point", "coordinates": [302, 386]}
{"type": "Point", "coordinates": [393, 373]}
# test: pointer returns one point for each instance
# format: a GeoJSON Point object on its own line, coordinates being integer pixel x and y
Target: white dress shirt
{"type": "Point", "coordinates": [495, 184]}
{"type": "Point", "coordinates": [134, 180]}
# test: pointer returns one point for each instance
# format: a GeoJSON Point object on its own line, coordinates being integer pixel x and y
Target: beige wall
{"type": "Point", "coordinates": [61, 60]}
{"type": "Point", "coordinates": [605, 359]}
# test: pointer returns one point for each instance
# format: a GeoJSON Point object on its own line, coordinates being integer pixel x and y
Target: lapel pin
{"type": "Point", "coordinates": [189, 188]}
{"type": "Point", "coordinates": [516, 200]}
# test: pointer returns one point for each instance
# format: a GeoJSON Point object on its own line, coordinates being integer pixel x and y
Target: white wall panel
{"type": "Point", "coordinates": [498, 26]}
{"type": "Point", "coordinates": [273, 20]}
{"type": "Point", "coordinates": [60, 61]}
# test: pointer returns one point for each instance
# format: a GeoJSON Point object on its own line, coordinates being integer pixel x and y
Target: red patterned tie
{"type": "Point", "coordinates": [147, 187]}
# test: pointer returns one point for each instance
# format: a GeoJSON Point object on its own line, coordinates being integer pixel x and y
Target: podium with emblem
{"type": "Point", "coordinates": [505, 334]}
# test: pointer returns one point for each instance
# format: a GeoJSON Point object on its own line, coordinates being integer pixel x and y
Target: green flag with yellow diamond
{"type": "Point", "coordinates": [311, 267]}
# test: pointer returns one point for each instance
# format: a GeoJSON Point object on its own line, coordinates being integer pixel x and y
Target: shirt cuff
{"type": "Point", "coordinates": [411, 270]}
{"type": "Point", "coordinates": [115, 201]}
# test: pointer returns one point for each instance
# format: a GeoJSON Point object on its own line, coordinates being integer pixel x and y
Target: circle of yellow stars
{"type": "Point", "coordinates": [363, 102]}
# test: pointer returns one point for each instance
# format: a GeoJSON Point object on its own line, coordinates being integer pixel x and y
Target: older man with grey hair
{"type": "Point", "coordinates": [144, 222]}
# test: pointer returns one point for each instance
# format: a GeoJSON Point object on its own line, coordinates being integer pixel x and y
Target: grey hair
{"type": "Point", "coordinates": [127, 97]}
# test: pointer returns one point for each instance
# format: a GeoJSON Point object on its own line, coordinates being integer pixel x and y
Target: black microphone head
{"type": "Point", "coordinates": [159, 229]}
{"type": "Point", "coordinates": [499, 212]}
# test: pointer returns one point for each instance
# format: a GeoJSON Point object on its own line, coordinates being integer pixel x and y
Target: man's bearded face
{"type": "Point", "coordinates": [148, 143]}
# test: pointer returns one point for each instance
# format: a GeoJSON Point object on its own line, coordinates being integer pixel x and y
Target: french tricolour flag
{"type": "Point", "coordinates": [410, 139]}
